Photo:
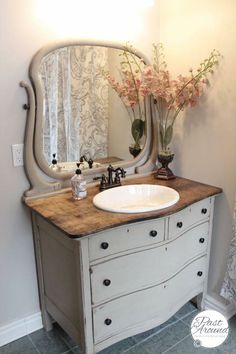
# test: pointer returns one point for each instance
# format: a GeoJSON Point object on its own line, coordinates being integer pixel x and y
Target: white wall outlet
{"type": "Point", "coordinates": [17, 154]}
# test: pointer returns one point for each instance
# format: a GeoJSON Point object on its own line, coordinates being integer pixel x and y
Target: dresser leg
{"type": "Point", "coordinates": [47, 320]}
{"type": "Point", "coordinates": [200, 302]}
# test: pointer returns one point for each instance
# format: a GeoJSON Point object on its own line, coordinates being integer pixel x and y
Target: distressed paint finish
{"type": "Point", "coordinates": [81, 218]}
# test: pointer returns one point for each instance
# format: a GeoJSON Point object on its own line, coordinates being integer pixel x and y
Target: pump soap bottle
{"type": "Point", "coordinates": [78, 184]}
{"type": "Point", "coordinates": [54, 166]}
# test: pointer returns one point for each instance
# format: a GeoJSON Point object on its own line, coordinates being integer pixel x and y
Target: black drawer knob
{"type": "Point", "coordinates": [106, 282]}
{"type": "Point", "coordinates": [108, 321]}
{"type": "Point", "coordinates": [199, 273]}
{"type": "Point", "coordinates": [179, 224]}
{"type": "Point", "coordinates": [104, 245]}
{"type": "Point", "coordinates": [153, 233]}
{"type": "Point", "coordinates": [201, 240]}
{"type": "Point", "coordinates": [204, 210]}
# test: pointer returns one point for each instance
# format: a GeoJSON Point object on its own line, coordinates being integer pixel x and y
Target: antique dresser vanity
{"type": "Point", "coordinates": [105, 276]}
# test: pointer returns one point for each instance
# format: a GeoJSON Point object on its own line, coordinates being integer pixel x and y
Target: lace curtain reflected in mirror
{"type": "Point", "coordinates": [75, 103]}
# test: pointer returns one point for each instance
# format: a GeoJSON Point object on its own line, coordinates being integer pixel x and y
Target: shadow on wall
{"type": "Point", "coordinates": [196, 140]}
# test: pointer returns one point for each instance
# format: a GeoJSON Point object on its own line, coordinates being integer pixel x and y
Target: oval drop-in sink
{"type": "Point", "coordinates": [136, 198]}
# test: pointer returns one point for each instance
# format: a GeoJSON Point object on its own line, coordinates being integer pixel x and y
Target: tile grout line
{"type": "Point", "coordinates": [152, 335]}
{"type": "Point", "coordinates": [75, 347]}
{"type": "Point", "coordinates": [162, 329]}
{"type": "Point", "coordinates": [186, 324]}
{"type": "Point", "coordinates": [182, 320]}
{"type": "Point", "coordinates": [174, 345]}
{"type": "Point", "coordinates": [65, 342]}
{"type": "Point", "coordinates": [33, 344]}
{"type": "Point", "coordinates": [68, 351]}
{"type": "Point", "coordinates": [187, 314]}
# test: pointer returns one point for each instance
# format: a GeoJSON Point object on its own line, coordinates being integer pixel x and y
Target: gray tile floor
{"type": "Point", "coordinates": [172, 337]}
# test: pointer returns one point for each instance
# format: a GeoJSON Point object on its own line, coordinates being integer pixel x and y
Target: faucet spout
{"type": "Point", "coordinates": [120, 172]}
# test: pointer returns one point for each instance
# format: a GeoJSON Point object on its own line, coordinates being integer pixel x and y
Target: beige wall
{"type": "Point", "coordinates": [205, 140]}
{"type": "Point", "coordinates": [24, 27]}
{"type": "Point", "coordinates": [205, 143]}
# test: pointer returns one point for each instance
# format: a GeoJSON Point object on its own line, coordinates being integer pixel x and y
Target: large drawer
{"type": "Point", "coordinates": [125, 238]}
{"type": "Point", "coordinates": [181, 221]}
{"type": "Point", "coordinates": [123, 275]}
{"type": "Point", "coordinates": [134, 309]}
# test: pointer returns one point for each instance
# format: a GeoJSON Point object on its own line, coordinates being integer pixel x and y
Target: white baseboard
{"type": "Point", "coordinates": [20, 328]}
{"type": "Point", "coordinates": [217, 303]}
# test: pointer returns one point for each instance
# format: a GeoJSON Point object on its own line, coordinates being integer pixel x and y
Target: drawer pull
{"type": "Point", "coordinates": [106, 282]}
{"type": "Point", "coordinates": [201, 240]}
{"type": "Point", "coordinates": [108, 321]}
{"type": "Point", "coordinates": [104, 245]}
{"type": "Point", "coordinates": [199, 273]}
{"type": "Point", "coordinates": [179, 224]}
{"type": "Point", "coordinates": [153, 233]}
{"type": "Point", "coordinates": [204, 211]}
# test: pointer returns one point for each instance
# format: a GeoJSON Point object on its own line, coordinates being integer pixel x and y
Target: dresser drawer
{"type": "Point", "coordinates": [189, 216]}
{"type": "Point", "coordinates": [125, 238]}
{"type": "Point", "coordinates": [132, 272]}
{"type": "Point", "coordinates": [118, 315]}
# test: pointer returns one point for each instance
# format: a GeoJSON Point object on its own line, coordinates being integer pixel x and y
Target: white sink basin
{"type": "Point", "coordinates": [136, 198]}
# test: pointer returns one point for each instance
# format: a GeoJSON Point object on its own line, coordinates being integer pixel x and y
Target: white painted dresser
{"type": "Point", "coordinates": [108, 285]}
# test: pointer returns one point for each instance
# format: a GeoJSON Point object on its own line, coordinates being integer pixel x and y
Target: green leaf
{"type": "Point", "coordinates": [168, 135]}
{"type": "Point", "coordinates": [162, 137]}
{"type": "Point", "coordinates": [137, 129]}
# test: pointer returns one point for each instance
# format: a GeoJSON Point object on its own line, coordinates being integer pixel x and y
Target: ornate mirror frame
{"type": "Point", "coordinates": [42, 178]}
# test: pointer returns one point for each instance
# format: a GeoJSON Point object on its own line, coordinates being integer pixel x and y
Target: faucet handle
{"type": "Point", "coordinates": [90, 163]}
{"type": "Point", "coordinates": [103, 182]}
{"type": "Point", "coordinates": [123, 173]}
{"type": "Point", "coordinates": [117, 177]}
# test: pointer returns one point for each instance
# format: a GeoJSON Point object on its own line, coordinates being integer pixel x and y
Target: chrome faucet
{"type": "Point", "coordinates": [110, 181]}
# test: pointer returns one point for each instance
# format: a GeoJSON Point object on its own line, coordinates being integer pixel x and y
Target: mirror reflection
{"type": "Point", "coordinates": [84, 118]}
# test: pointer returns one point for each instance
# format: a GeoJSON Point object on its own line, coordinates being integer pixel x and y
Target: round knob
{"type": "Point", "coordinates": [153, 233]}
{"type": "Point", "coordinates": [199, 273]}
{"type": "Point", "coordinates": [204, 211]}
{"type": "Point", "coordinates": [26, 106]}
{"type": "Point", "coordinates": [104, 245]}
{"type": "Point", "coordinates": [106, 282]}
{"type": "Point", "coordinates": [179, 224]}
{"type": "Point", "coordinates": [201, 240]}
{"type": "Point", "coordinates": [108, 321]}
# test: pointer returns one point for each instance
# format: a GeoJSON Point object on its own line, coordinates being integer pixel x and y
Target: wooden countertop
{"type": "Point", "coordinates": [80, 218]}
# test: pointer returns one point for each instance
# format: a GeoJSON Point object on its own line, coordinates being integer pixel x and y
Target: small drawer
{"type": "Point", "coordinates": [135, 309]}
{"type": "Point", "coordinates": [126, 238]}
{"type": "Point", "coordinates": [122, 275]}
{"type": "Point", "coordinates": [188, 217]}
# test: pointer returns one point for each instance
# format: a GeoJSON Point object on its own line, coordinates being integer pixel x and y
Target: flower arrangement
{"type": "Point", "coordinates": [128, 89]}
{"type": "Point", "coordinates": [171, 96]}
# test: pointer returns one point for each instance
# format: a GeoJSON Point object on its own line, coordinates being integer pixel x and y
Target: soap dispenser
{"type": "Point", "coordinates": [78, 184]}
{"type": "Point", "coordinates": [54, 166]}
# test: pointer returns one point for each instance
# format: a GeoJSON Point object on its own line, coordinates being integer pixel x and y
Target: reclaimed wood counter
{"type": "Point", "coordinates": [81, 218]}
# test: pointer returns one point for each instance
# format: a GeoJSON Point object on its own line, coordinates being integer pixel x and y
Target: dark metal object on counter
{"type": "Point", "coordinates": [110, 181]}
{"type": "Point", "coordinates": [89, 161]}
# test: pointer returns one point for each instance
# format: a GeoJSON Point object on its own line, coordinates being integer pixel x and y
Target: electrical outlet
{"type": "Point", "coordinates": [17, 154]}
